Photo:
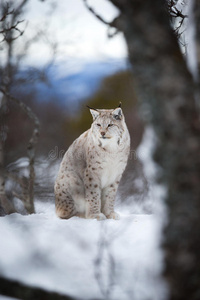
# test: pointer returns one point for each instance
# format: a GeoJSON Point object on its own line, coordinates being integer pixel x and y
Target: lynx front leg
{"type": "Point", "coordinates": [108, 201]}
{"type": "Point", "coordinates": [93, 198]}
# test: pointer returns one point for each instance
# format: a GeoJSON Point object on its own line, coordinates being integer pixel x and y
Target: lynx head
{"type": "Point", "coordinates": [108, 124]}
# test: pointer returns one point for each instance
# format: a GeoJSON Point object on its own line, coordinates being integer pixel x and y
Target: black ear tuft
{"type": "Point", "coordinates": [91, 107]}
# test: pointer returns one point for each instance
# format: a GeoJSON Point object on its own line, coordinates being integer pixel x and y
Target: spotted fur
{"type": "Point", "coordinates": [92, 167]}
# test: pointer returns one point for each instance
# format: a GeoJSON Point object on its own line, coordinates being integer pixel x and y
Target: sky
{"type": "Point", "coordinates": [78, 34]}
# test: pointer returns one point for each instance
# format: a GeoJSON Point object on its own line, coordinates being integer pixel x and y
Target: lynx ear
{"type": "Point", "coordinates": [117, 113]}
{"type": "Point", "coordinates": [94, 113]}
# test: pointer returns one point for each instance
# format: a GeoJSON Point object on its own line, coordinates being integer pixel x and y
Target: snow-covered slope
{"type": "Point", "coordinates": [84, 258]}
{"type": "Point", "coordinates": [87, 258]}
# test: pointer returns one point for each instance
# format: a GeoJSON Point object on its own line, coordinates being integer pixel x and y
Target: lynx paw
{"type": "Point", "coordinates": [99, 217]}
{"type": "Point", "coordinates": [113, 215]}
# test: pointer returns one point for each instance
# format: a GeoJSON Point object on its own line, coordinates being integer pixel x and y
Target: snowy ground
{"type": "Point", "coordinates": [83, 258]}
{"type": "Point", "coordinates": [88, 259]}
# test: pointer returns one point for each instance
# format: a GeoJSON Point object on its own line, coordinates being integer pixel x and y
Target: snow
{"type": "Point", "coordinates": [88, 258]}
{"type": "Point", "coordinates": [60, 255]}
{"type": "Point", "coordinates": [157, 191]}
{"type": "Point", "coordinates": [190, 39]}
{"type": "Point", "coordinates": [188, 33]}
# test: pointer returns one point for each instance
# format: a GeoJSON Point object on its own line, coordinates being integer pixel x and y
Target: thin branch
{"type": "Point", "coordinates": [175, 12]}
{"type": "Point", "coordinates": [112, 24]}
{"type": "Point", "coordinates": [12, 27]}
{"type": "Point", "coordinates": [19, 8]}
{"type": "Point", "coordinates": [7, 28]}
{"type": "Point", "coordinates": [6, 12]}
{"type": "Point", "coordinates": [95, 14]}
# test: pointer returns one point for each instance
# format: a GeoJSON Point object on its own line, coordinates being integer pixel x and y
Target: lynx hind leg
{"type": "Point", "coordinates": [65, 207]}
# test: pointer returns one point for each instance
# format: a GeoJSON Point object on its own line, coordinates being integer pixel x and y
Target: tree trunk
{"type": "Point", "coordinates": [197, 32]}
{"type": "Point", "coordinates": [165, 86]}
{"type": "Point", "coordinates": [6, 206]}
{"type": "Point", "coordinates": [28, 191]}
{"type": "Point", "coordinates": [19, 290]}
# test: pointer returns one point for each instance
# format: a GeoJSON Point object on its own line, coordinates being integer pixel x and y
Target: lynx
{"type": "Point", "coordinates": [92, 167]}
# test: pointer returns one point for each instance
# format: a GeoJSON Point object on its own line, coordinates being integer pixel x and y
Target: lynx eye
{"type": "Point", "coordinates": [98, 124]}
{"type": "Point", "coordinates": [110, 125]}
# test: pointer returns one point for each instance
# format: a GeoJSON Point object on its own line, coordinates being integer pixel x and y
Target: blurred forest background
{"type": "Point", "coordinates": [57, 97]}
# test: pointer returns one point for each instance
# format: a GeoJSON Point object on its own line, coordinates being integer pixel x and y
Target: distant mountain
{"type": "Point", "coordinates": [84, 83]}
{"type": "Point", "coordinates": [74, 84]}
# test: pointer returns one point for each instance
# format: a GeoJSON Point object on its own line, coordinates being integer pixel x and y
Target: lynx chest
{"type": "Point", "coordinates": [112, 166]}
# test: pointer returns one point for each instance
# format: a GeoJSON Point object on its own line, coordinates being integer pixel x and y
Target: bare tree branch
{"type": "Point", "coordinates": [6, 12]}
{"type": "Point", "coordinates": [12, 27]}
{"type": "Point", "coordinates": [8, 27]}
{"type": "Point", "coordinates": [176, 14]}
{"type": "Point", "coordinates": [95, 14]}
{"type": "Point", "coordinates": [114, 23]}
{"type": "Point", "coordinates": [18, 10]}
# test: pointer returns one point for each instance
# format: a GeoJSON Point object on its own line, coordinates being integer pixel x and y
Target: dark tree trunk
{"type": "Point", "coordinates": [197, 21]}
{"type": "Point", "coordinates": [19, 290]}
{"type": "Point", "coordinates": [6, 206]}
{"type": "Point", "coordinates": [165, 86]}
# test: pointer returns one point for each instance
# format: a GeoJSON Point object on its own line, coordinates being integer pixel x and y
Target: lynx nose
{"type": "Point", "coordinates": [103, 133]}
